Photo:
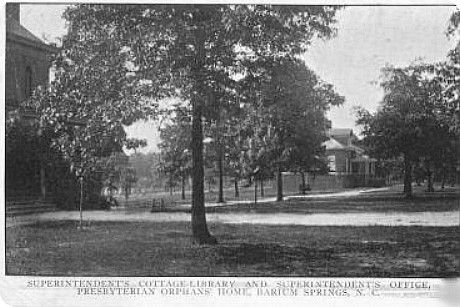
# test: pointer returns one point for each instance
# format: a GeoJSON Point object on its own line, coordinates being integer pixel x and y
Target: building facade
{"type": "Point", "coordinates": [346, 158]}
{"type": "Point", "coordinates": [347, 162]}
{"type": "Point", "coordinates": [27, 59]}
{"type": "Point", "coordinates": [27, 63]}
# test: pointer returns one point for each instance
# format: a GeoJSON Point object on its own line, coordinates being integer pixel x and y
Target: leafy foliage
{"type": "Point", "coordinates": [118, 57]}
{"type": "Point", "coordinates": [175, 147]}
{"type": "Point", "coordinates": [415, 119]}
{"type": "Point", "coordinates": [291, 117]}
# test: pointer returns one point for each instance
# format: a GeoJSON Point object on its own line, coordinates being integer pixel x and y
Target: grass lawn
{"type": "Point", "coordinates": [377, 201]}
{"type": "Point", "coordinates": [245, 193]}
{"type": "Point", "coordinates": [165, 249]}
{"type": "Point", "coordinates": [363, 203]}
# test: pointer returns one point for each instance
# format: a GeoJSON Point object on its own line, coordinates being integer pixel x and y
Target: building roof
{"type": "Point", "coordinates": [333, 144]}
{"type": "Point", "coordinates": [341, 138]}
{"type": "Point", "coordinates": [16, 32]}
{"type": "Point", "coordinates": [342, 135]}
{"type": "Point", "coordinates": [14, 27]}
{"type": "Point", "coordinates": [359, 150]}
{"type": "Point", "coordinates": [341, 132]}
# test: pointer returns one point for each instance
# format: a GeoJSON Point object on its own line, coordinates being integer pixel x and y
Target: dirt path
{"type": "Point", "coordinates": [210, 204]}
{"type": "Point", "coordinates": [350, 193]}
{"type": "Point", "coordinates": [449, 218]}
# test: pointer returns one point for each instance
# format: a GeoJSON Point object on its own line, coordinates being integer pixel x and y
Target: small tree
{"type": "Point", "coordinates": [175, 149]}
{"type": "Point", "coordinates": [85, 111]}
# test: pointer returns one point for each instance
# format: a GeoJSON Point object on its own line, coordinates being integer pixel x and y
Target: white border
{"type": "Point", "coordinates": [13, 287]}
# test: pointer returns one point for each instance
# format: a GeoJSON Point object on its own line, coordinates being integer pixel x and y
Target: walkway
{"type": "Point", "coordinates": [440, 219]}
{"type": "Point", "coordinates": [349, 193]}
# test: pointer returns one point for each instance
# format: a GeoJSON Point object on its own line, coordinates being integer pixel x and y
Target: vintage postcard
{"type": "Point", "coordinates": [198, 153]}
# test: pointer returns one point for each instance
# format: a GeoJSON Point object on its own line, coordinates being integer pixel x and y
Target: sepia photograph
{"type": "Point", "coordinates": [231, 140]}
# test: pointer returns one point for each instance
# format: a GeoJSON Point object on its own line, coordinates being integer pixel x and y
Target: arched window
{"type": "Point", "coordinates": [28, 82]}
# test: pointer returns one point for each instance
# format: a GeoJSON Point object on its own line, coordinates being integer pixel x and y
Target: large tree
{"type": "Point", "coordinates": [190, 51]}
{"type": "Point", "coordinates": [448, 75]}
{"type": "Point", "coordinates": [420, 116]}
{"type": "Point", "coordinates": [413, 122]}
{"type": "Point", "coordinates": [291, 118]}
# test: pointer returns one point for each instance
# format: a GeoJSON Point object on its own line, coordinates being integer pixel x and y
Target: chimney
{"type": "Point", "coordinates": [13, 11]}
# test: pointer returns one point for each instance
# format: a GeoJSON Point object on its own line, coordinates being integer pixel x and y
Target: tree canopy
{"type": "Point", "coordinates": [289, 118]}
{"type": "Point", "coordinates": [418, 118]}
{"type": "Point", "coordinates": [117, 59]}
{"type": "Point", "coordinates": [414, 120]}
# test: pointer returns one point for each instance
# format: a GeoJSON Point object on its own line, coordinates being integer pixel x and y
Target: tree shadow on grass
{"type": "Point", "coordinates": [359, 259]}
{"type": "Point", "coordinates": [277, 259]}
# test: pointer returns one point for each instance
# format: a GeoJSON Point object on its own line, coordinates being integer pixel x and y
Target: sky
{"type": "Point", "coordinates": [368, 38]}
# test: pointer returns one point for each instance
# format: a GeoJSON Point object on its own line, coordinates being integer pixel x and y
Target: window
{"type": "Point", "coordinates": [28, 82]}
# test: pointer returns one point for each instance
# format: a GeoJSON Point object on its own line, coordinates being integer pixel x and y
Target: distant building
{"type": "Point", "coordinates": [346, 158]}
{"type": "Point", "coordinates": [348, 166]}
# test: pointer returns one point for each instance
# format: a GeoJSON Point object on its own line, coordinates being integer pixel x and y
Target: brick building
{"type": "Point", "coordinates": [26, 67]}
{"type": "Point", "coordinates": [27, 59]}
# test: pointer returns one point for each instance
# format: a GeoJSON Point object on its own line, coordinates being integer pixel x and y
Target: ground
{"type": "Point", "coordinates": [384, 201]}
{"type": "Point", "coordinates": [164, 248]}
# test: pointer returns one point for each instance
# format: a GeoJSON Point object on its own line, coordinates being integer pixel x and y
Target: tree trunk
{"type": "Point", "coordinates": [126, 195]}
{"type": "Point", "coordinates": [183, 187]}
{"type": "Point", "coordinates": [43, 158]}
{"type": "Point", "coordinates": [170, 184]}
{"type": "Point", "coordinates": [407, 177]}
{"type": "Point", "coordinates": [200, 230]}
{"type": "Point", "coordinates": [262, 192]}
{"type": "Point", "coordinates": [255, 191]}
{"type": "Point", "coordinates": [221, 175]}
{"type": "Point", "coordinates": [429, 175]}
{"type": "Point", "coordinates": [80, 207]}
{"type": "Point", "coordinates": [42, 178]}
{"type": "Point", "coordinates": [443, 180]}
{"type": "Point", "coordinates": [237, 192]}
{"type": "Point", "coordinates": [302, 175]}
{"type": "Point", "coordinates": [279, 190]}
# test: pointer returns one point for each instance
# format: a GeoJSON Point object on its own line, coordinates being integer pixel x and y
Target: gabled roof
{"type": "Point", "coordinates": [341, 138]}
{"type": "Point", "coordinates": [14, 27]}
{"type": "Point", "coordinates": [342, 135]}
{"type": "Point", "coordinates": [359, 150]}
{"type": "Point", "coordinates": [16, 32]}
{"type": "Point", "coordinates": [333, 144]}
